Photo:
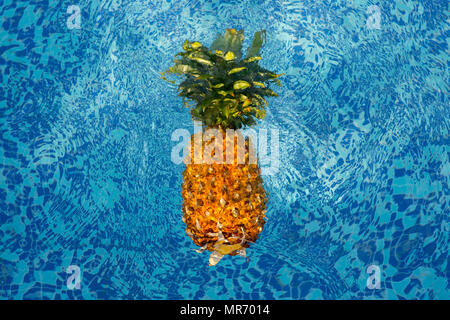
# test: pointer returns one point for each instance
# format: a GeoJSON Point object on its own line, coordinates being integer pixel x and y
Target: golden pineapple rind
{"type": "Point", "coordinates": [223, 203]}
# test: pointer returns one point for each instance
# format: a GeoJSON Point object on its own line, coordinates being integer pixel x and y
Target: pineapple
{"type": "Point", "coordinates": [224, 200]}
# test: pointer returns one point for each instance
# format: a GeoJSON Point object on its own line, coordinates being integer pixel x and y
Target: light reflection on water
{"type": "Point", "coordinates": [86, 177]}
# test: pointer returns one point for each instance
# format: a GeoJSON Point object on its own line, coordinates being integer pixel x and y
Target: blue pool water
{"type": "Point", "coordinates": [86, 177]}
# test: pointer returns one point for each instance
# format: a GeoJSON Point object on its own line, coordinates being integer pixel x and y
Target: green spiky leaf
{"type": "Point", "coordinates": [230, 56]}
{"type": "Point", "coordinates": [226, 90]}
{"type": "Point", "coordinates": [258, 40]}
{"type": "Point", "coordinates": [236, 70]}
{"type": "Point", "coordinates": [241, 84]}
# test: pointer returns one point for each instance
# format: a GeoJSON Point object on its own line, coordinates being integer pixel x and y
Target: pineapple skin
{"type": "Point", "coordinates": [224, 204]}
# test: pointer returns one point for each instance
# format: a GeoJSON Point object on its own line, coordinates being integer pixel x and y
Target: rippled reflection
{"type": "Point", "coordinates": [85, 171]}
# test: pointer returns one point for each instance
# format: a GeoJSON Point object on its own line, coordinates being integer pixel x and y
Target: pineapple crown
{"type": "Point", "coordinates": [227, 89]}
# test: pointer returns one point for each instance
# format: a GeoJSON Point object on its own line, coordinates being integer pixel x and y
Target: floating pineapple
{"type": "Point", "coordinates": [224, 199]}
